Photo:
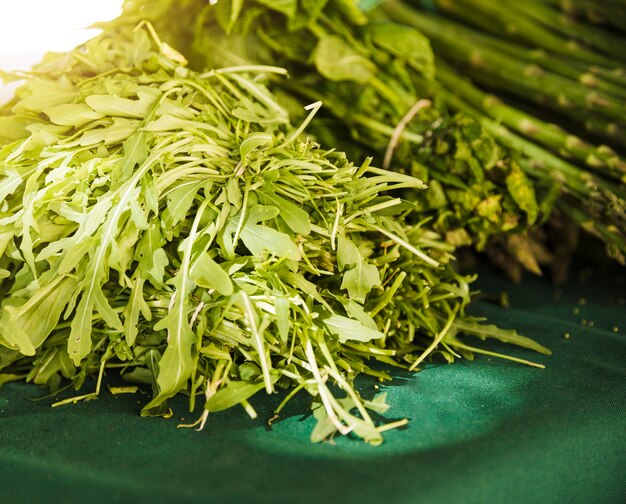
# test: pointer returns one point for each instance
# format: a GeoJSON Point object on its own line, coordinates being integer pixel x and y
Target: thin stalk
{"type": "Point", "coordinates": [495, 68]}
{"type": "Point", "coordinates": [603, 40]}
{"type": "Point", "coordinates": [503, 21]}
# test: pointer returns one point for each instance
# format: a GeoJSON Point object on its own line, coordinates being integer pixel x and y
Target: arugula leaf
{"type": "Point", "coordinates": [361, 277]}
{"type": "Point", "coordinates": [206, 273]}
{"type": "Point", "coordinates": [347, 329]}
{"type": "Point", "coordinates": [294, 216]}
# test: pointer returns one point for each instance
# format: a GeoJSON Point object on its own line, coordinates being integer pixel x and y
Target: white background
{"type": "Point", "coordinates": [30, 28]}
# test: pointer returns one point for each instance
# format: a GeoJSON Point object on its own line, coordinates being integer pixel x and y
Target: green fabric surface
{"type": "Point", "coordinates": [483, 431]}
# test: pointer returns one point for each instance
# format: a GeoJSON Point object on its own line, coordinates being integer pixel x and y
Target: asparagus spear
{"type": "Point", "coordinates": [499, 19]}
{"type": "Point", "coordinates": [592, 36]}
{"type": "Point", "coordinates": [608, 81]}
{"type": "Point", "coordinates": [498, 70]}
{"type": "Point", "coordinates": [606, 12]}
{"type": "Point", "coordinates": [602, 159]}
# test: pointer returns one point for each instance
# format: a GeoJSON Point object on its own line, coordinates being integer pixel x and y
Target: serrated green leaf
{"type": "Point", "coordinates": [254, 141]}
{"type": "Point", "coordinates": [72, 114]}
{"type": "Point", "coordinates": [357, 312]}
{"type": "Point", "coordinates": [42, 94]}
{"type": "Point", "coordinates": [347, 329]}
{"type": "Point", "coordinates": [206, 273]}
{"type": "Point", "coordinates": [152, 258]}
{"type": "Point", "coordinates": [505, 335]}
{"type": "Point", "coordinates": [260, 239]}
{"type": "Point", "coordinates": [120, 129]}
{"type": "Point", "coordinates": [360, 277]}
{"type": "Point", "coordinates": [360, 280]}
{"type": "Point", "coordinates": [295, 217]}
{"type": "Point", "coordinates": [30, 323]}
{"type": "Point", "coordinates": [347, 253]}
{"type": "Point", "coordinates": [135, 152]}
{"type": "Point", "coordinates": [180, 200]}
{"type": "Point", "coordinates": [115, 106]}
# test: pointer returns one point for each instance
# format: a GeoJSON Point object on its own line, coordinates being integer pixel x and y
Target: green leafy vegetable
{"type": "Point", "coordinates": [181, 230]}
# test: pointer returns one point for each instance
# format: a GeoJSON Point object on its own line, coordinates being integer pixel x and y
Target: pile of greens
{"type": "Point", "coordinates": [522, 195]}
{"type": "Point", "coordinates": [211, 222]}
{"type": "Point", "coordinates": [176, 227]}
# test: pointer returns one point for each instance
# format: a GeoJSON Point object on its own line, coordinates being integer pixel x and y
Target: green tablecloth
{"type": "Point", "coordinates": [487, 431]}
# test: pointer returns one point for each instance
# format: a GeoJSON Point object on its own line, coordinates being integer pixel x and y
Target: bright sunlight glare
{"type": "Point", "coordinates": [30, 28]}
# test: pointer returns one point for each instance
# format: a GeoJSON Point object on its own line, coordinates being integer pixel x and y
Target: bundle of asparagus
{"type": "Point", "coordinates": [547, 72]}
{"type": "Point", "coordinates": [583, 85]}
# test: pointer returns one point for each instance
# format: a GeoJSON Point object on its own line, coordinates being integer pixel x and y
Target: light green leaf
{"type": "Point", "coordinates": [14, 335]}
{"type": "Point", "coordinates": [483, 331]}
{"type": "Point", "coordinates": [361, 277]}
{"type": "Point", "coordinates": [232, 394]}
{"type": "Point", "coordinates": [283, 322]}
{"type": "Point", "coordinates": [347, 329]}
{"type": "Point", "coordinates": [337, 61]}
{"type": "Point", "coordinates": [136, 305]}
{"type": "Point", "coordinates": [42, 94]}
{"type": "Point", "coordinates": [135, 152]}
{"type": "Point", "coordinates": [261, 213]}
{"type": "Point", "coordinates": [405, 43]}
{"type": "Point", "coordinates": [378, 404]}
{"type": "Point", "coordinates": [300, 283]}
{"type": "Point", "coordinates": [207, 274]}
{"type": "Point", "coordinates": [176, 363]}
{"type": "Point", "coordinates": [360, 280]}
{"type": "Point", "coordinates": [179, 202]}
{"type": "Point", "coordinates": [152, 258]}
{"type": "Point", "coordinates": [105, 310]}
{"type": "Point", "coordinates": [29, 324]}
{"type": "Point", "coordinates": [260, 239]}
{"type": "Point", "coordinates": [79, 340]}
{"type": "Point", "coordinates": [347, 253]}
{"type": "Point", "coordinates": [13, 127]}
{"type": "Point", "coordinates": [324, 428]}
{"type": "Point", "coordinates": [111, 105]}
{"type": "Point", "coordinates": [254, 141]}
{"type": "Point", "coordinates": [233, 192]}
{"type": "Point", "coordinates": [72, 114]}
{"type": "Point", "coordinates": [295, 217]}
{"type": "Point", "coordinates": [118, 131]}
{"type": "Point", "coordinates": [356, 311]}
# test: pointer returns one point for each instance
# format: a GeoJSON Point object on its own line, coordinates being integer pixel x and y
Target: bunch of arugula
{"type": "Point", "coordinates": [176, 227]}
